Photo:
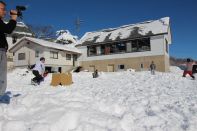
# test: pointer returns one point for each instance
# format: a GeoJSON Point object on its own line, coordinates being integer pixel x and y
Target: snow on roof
{"type": "Point", "coordinates": [48, 44]}
{"type": "Point", "coordinates": [23, 33]}
{"type": "Point", "coordinates": [147, 28]}
{"type": "Point", "coordinates": [21, 30]}
{"type": "Point", "coordinates": [21, 24]}
{"type": "Point", "coordinates": [65, 35]}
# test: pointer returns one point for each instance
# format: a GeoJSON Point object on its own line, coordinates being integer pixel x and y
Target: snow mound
{"type": "Point", "coordinates": [176, 70]}
{"type": "Point", "coordinates": [115, 101]}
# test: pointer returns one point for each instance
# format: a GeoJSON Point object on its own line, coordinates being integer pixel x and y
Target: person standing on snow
{"type": "Point", "coordinates": [38, 71]}
{"type": "Point", "coordinates": [5, 28]}
{"type": "Point", "coordinates": [95, 74]}
{"type": "Point", "coordinates": [188, 69]}
{"type": "Point", "coordinates": [152, 68]}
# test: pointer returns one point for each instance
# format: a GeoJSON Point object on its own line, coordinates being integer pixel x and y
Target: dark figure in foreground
{"type": "Point", "coordinates": [5, 28]}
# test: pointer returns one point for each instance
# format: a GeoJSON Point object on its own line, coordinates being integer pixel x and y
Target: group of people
{"type": "Point", "coordinates": [188, 68]}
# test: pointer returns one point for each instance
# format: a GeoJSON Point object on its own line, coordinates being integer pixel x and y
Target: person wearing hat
{"type": "Point", "coordinates": [188, 69]}
{"type": "Point", "coordinates": [38, 71]}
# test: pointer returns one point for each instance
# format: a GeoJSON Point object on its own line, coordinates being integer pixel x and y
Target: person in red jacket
{"type": "Point", "coordinates": [188, 69]}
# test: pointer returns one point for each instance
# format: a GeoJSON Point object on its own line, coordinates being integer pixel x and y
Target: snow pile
{"type": "Point", "coordinates": [176, 70]}
{"type": "Point", "coordinates": [121, 101]}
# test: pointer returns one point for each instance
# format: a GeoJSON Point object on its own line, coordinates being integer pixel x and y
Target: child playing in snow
{"type": "Point", "coordinates": [152, 68]}
{"type": "Point", "coordinates": [95, 74]}
{"type": "Point", "coordinates": [188, 69]}
{"type": "Point", "coordinates": [38, 71]}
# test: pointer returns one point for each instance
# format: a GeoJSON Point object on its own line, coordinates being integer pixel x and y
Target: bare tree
{"type": "Point", "coordinates": [45, 31]}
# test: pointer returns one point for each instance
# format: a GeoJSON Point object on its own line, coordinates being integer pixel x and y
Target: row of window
{"type": "Point", "coordinates": [137, 45]}
{"type": "Point", "coordinates": [53, 55]}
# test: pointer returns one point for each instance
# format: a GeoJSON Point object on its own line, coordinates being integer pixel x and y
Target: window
{"type": "Point", "coordinates": [166, 45]}
{"type": "Point", "coordinates": [128, 46]}
{"type": "Point", "coordinates": [121, 47]}
{"type": "Point", "coordinates": [121, 67]}
{"type": "Point", "coordinates": [144, 44]}
{"type": "Point", "coordinates": [102, 49]}
{"type": "Point", "coordinates": [36, 53]}
{"type": "Point", "coordinates": [91, 50]}
{"type": "Point", "coordinates": [136, 45]}
{"type": "Point", "coordinates": [21, 56]}
{"type": "Point", "coordinates": [68, 56]}
{"type": "Point", "coordinates": [140, 45]}
{"type": "Point", "coordinates": [53, 55]}
{"type": "Point", "coordinates": [107, 49]}
{"type": "Point", "coordinates": [113, 48]}
{"type": "Point", "coordinates": [141, 66]}
{"type": "Point", "coordinates": [74, 57]}
{"type": "Point", "coordinates": [98, 50]}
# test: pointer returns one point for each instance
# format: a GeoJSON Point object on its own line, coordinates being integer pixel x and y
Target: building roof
{"type": "Point", "coordinates": [46, 44]}
{"type": "Point", "coordinates": [21, 30]}
{"type": "Point", "coordinates": [147, 28]}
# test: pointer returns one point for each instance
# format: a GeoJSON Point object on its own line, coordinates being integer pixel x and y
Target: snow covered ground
{"type": "Point", "coordinates": [121, 101]}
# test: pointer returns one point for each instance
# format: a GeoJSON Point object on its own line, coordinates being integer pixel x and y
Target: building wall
{"type": "Point", "coordinates": [61, 58]}
{"type": "Point", "coordinates": [157, 48]}
{"type": "Point", "coordinates": [167, 63]}
{"type": "Point", "coordinates": [29, 57]}
{"type": "Point", "coordinates": [167, 51]}
{"type": "Point", "coordinates": [130, 60]}
{"type": "Point", "coordinates": [133, 62]}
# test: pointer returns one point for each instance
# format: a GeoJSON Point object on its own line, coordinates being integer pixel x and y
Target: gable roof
{"type": "Point", "coordinates": [46, 44]}
{"type": "Point", "coordinates": [21, 30]}
{"type": "Point", "coordinates": [147, 28]}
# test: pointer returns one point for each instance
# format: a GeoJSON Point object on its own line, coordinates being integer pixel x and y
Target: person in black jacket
{"type": "Point", "coordinates": [152, 68]}
{"type": "Point", "coordinates": [5, 28]}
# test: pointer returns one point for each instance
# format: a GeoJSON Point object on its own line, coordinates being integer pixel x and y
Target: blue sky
{"type": "Point", "coordinates": [101, 14]}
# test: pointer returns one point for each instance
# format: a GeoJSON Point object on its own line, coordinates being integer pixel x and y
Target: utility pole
{"type": "Point", "coordinates": [78, 25]}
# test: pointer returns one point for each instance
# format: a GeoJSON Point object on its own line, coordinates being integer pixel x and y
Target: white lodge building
{"type": "Point", "coordinates": [130, 46]}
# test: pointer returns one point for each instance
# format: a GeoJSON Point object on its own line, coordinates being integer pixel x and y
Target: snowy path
{"type": "Point", "coordinates": [122, 101]}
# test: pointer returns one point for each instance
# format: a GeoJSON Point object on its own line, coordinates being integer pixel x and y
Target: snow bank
{"type": "Point", "coordinates": [116, 101]}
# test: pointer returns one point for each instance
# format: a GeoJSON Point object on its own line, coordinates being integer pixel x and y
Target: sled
{"type": "Point", "coordinates": [55, 79]}
{"type": "Point", "coordinates": [61, 79]}
{"type": "Point", "coordinates": [66, 78]}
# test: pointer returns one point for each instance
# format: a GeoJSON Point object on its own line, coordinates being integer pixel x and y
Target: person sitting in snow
{"type": "Point", "coordinates": [95, 74]}
{"type": "Point", "coordinates": [38, 71]}
{"type": "Point", "coordinates": [152, 68]}
{"type": "Point", "coordinates": [188, 69]}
